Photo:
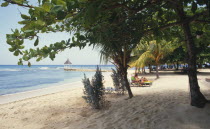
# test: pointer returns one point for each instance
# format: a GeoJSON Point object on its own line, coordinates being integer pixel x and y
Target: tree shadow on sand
{"type": "Point", "coordinates": [158, 110]}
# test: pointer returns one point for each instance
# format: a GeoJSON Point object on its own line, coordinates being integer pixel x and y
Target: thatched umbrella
{"type": "Point", "coordinates": [67, 64]}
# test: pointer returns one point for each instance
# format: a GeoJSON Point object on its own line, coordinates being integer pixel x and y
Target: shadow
{"type": "Point", "coordinates": [140, 86]}
{"type": "Point", "coordinates": [152, 111]}
{"type": "Point", "coordinates": [159, 110]}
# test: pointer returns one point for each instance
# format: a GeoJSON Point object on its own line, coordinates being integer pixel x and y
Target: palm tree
{"type": "Point", "coordinates": [154, 53]}
{"type": "Point", "coordinates": [137, 52]}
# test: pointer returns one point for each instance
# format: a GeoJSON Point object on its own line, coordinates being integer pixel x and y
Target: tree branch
{"type": "Point", "coordinates": [202, 21]}
{"type": "Point", "coordinates": [23, 5]}
{"type": "Point", "coordinates": [190, 19]}
{"type": "Point", "coordinates": [147, 4]}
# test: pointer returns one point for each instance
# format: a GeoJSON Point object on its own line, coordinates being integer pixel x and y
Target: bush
{"type": "Point", "coordinates": [118, 82]}
{"type": "Point", "coordinates": [94, 91]}
{"type": "Point", "coordinates": [116, 79]}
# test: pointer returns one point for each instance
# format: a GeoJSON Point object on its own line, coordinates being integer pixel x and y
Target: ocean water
{"type": "Point", "coordinates": [14, 78]}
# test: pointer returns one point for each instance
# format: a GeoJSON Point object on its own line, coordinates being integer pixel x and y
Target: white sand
{"type": "Point", "coordinates": [164, 105]}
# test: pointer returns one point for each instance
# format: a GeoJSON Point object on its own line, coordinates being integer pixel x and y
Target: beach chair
{"type": "Point", "coordinates": [146, 83]}
{"type": "Point", "coordinates": [133, 82]}
{"type": "Point", "coordinates": [109, 90]}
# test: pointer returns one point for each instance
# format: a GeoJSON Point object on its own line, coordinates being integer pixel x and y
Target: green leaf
{"type": "Point", "coordinates": [81, 37]}
{"type": "Point", "coordinates": [20, 62]}
{"type": "Point", "coordinates": [61, 15]}
{"type": "Point", "coordinates": [11, 49]}
{"type": "Point", "coordinates": [56, 8]}
{"type": "Point", "coordinates": [38, 59]}
{"type": "Point", "coordinates": [29, 64]}
{"type": "Point", "coordinates": [16, 53]}
{"type": "Point", "coordinates": [5, 4]}
{"type": "Point", "coordinates": [23, 22]}
{"type": "Point", "coordinates": [47, 6]}
{"type": "Point", "coordinates": [40, 22]}
{"type": "Point", "coordinates": [25, 58]}
{"type": "Point", "coordinates": [25, 16]}
{"type": "Point", "coordinates": [28, 31]}
{"type": "Point", "coordinates": [36, 42]}
{"type": "Point", "coordinates": [194, 7]}
{"type": "Point", "coordinates": [52, 56]}
{"type": "Point", "coordinates": [20, 42]}
{"type": "Point", "coordinates": [21, 47]}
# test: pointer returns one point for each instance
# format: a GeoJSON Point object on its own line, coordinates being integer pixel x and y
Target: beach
{"type": "Point", "coordinates": [164, 105]}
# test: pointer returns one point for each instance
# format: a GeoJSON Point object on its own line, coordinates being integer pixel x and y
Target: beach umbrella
{"type": "Point", "coordinates": [67, 64]}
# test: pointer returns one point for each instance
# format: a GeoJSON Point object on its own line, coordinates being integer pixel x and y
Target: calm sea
{"type": "Point", "coordinates": [14, 78]}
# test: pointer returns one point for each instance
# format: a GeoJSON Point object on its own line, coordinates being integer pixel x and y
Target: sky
{"type": "Point", "coordinates": [9, 20]}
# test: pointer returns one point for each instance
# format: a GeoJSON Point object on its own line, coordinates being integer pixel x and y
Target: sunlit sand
{"type": "Point", "coordinates": [164, 105]}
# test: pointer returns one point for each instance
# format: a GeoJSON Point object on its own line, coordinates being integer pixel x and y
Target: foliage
{"type": "Point", "coordinates": [118, 82]}
{"type": "Point", "coordinates": [95, 22]}
{"type": "Point", "coordinates": [155, 52]}
{"type": "Point", "coordinates": [178, 55]}
{"type": "Point", "coordinates": [94, 91]}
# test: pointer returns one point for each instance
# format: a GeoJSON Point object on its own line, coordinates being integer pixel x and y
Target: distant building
{"type": "Point", "coordinates": [67, 64]}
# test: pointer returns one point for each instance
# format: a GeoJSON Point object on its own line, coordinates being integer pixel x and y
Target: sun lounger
{"type": "Point", "coordinates": [110, 90]}
{"type": "Point", "coordinates": [133, 82]}
{"type": "Point", "coordinates": [146, 83]}
{"type": "Point", "coordinates": [138, 84]}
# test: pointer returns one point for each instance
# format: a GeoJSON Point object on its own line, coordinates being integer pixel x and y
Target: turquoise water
{"type": "Point", "coordinates": [14, 78]}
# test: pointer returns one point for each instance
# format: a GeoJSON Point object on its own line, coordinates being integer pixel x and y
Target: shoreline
{"type": "Point", "coordinates": [13, 97]}
{"type": "Point", "coordinates": [19, 96]}
{"type": "Point", "coordinates": [9, 98]}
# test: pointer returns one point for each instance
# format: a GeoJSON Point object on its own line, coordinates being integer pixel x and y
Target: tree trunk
{"type": "Point", "coordinates": [197, 98]}
{"type": "Point", "coordinates": [177, 65]}
{"type": "Point", "coordinates": [136, 70]}
{"type": "Point", "coordinates": [157, 73]}
{"type": "Point", "coordinates": [139, 70]}
{"type": "Point", "coordinates": [144, 70]}
{"type": "Point", "coordinates": [200, 62]}
{"type": "Point", "coordinates": [123, 73]}
{"type": "Point", "coordinates": [150, 69]}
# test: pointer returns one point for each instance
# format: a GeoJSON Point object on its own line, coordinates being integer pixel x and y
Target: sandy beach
{"type": "Point", "coordinates": [164, 105]}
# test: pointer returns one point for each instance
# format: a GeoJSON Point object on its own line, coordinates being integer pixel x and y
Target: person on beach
{"type": "Point", "coordinates": [137, 79]}
{"type": "Point", "coordinates": [143, 79]}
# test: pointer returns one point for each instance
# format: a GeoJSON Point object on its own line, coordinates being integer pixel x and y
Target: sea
{"type": "Point", "coordinates": [17, 78]}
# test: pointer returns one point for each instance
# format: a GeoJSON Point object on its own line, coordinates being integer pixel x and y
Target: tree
{"type": "Point", "coordinates": [80, 17]}
{"type": "Point", "coordinates": [156, 52]}
{"type": "Point", "coordinates": [177, 56]}
{"type": "Point", "coordinates": [112, 25]}
{"type": "Point", "coordinates": [137, 52]}
{"type": "Point", "coordinates": [197, 98]}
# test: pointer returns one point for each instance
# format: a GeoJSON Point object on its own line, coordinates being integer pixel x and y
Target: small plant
{"type": "Point", "coordinates": [118, 82]}
{"type": "Point", "coordinates": [94, 90]}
